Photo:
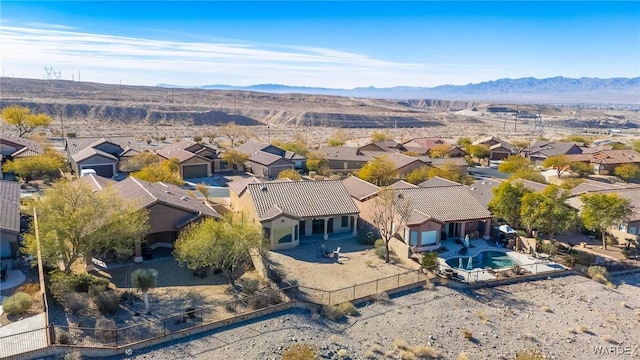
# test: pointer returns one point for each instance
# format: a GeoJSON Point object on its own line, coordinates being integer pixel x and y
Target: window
{"type": "Point", "coordinates": [413, 241]}
{"type": "Point", "coordinates": [428, 238]}
{"type": "Point", "coordinates": [345, 221]}
{"type": "Point", "coordinates": [296, 234]}
{"type": "Point", "coordinates": [267, 232]}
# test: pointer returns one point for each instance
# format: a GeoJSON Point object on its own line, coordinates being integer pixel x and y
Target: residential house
{"type": "Point", "coordinates": [196, 160]}
{"type": "Point", "coordinates": [344, 159]}
{"type": "Point", "coordinates": [170, 208]}
{"type": "Point", "coordinates": [100, 154]}
{"type": "Point", "coordinates": [437, 181]}
{"type": "Point", "coordinates": [457, 163]}
{"type": "Point", "coordinates": [540, 150]}
{"type": "Point", "coordinates": [605, 161]}
{"type": "Point", "coordinates": [404, 164]}
{"type": "Point", "coordinates": [291, 211]}
{"type": "Point", "coordinates": [267, 161]}
{"type": "Point", "coordinates": [382, 146]}
{"type": "Point", "coordinates": [482, 190]}
{"type": "Point", "coordinates": [499, 149]}
{"type": "Point", "coordinates": [9, 222]}
{"type": "Point", "coordinates": [14, 147]}
{"type": "Point", "coordinates": [425, 145]}
{"type": "Point", "coordinates": [437, 213]}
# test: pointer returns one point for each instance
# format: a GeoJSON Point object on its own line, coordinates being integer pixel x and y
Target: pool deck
{"type": "Point", "coordinates": [525, 261]}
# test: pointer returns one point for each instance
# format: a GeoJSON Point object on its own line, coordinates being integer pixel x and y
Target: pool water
{"type": "Point", "coordinates": [492, 259]}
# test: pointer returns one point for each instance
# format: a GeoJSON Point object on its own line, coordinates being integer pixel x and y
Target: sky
{"type": "Point", "coordinates": [330, 44]}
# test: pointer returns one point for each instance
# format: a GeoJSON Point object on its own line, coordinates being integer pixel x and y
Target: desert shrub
{"type": "Point", "coordinates": [300, 351]}
{"type": "Point", "coordinates": [583, 328]}
{"type": "Point", "coordinates": [342, 354]}
{"type": "Point", "coordinates": [17, 303]}
{"type": "Point", "coordinates": [482, 316]}
{"type": "Point", "coordinates": [580, 258]}
{"type": "Point", "coordinates": [467, 334]}
{"type": "Point", "coordinates": [425, 352]}
{"type": "Point", "coordinates": [105, 330]}
{"type": "Point", "coordinates": [30, 288]}
{"type": "Point", "coordinates": [529, 355]}
{"type": "Point", "coordinates": [197, 138]}
{"type": "Point", "coordinates": [429, 260]}
{"type": "Point", "coordinates": [369, 354]}
{"type": "Point", "coordinates": [348, 308]}
{"type": "Point", "coordinates": [407, 355]}
{"type": "Point", "coordinates": [599, 274]}
{"type": "Point", "coordinates": [83, 281]}
{"type": "Point", "coordinates": [249, 286]}
{"type": "Point", "coordinates": [382, 297]}
{"type": "Point", "coordinates": [546, 247]}
{"type": "Point", "coordinates": [63, 284]}
{"type": "Point", "coordinates": [401, 344]}
{"type": "Point", "coordinates": [463, 356]}
{"type": "Point", "coordinates": [71, 134]}
{"type": "Point", "coordinates": [62, 337]}
{"type": "Point", "coordinates": [332, 312]}
{"type": "Point", "coordinates": [106, 300]}
{"type": "Point", "coordinates": [74, 302]}
{"type": "Point", "coordinates": [380, 248]}
{"type": "Point", "coordinates": [366, 237]}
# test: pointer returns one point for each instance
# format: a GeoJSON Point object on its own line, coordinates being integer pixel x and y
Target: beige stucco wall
{"type": "Point", "coordinates": [197, 161]}
{"type": "Point", "coordinates": [163, 218]}
{"type": "Point", "coordinates": [280, 227]}
{"type": "Point", "coordinates": [95, 160]}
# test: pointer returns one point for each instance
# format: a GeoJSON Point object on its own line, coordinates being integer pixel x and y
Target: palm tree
{"type": "Point", "coordinates": [144, 280]}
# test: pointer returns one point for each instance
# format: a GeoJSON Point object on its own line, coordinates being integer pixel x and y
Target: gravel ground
{"type": "Point", "coordinates": [564, 318]}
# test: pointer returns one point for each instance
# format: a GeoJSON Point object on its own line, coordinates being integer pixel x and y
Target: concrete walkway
{"type": "Point", "coordinates": [21, 336]}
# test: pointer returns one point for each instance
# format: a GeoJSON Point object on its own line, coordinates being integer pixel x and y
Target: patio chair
{"type": "Point", "coordinates": [336, 252]}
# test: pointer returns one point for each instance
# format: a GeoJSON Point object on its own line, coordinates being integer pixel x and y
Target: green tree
{"type": "Point", "coordinates": [297, 146]}
{"type": "Point", "coordinates": [627, 171]}
{"type": "Point", "coordinates": [204, 190]}
{"type": "Point", "coordinates": [166, 171]}
{"type": "Point", "coordinates": [440, 151]}
{"type": "Point", "coordinates": [507, 202]}
{"type": "Point", "coordinates": [235, 158]}
{"type": "Point", "coordinates": [378, 136]}
{"type": "Point", "coordinates": [290, 174]}
{"type": "Point", "coordinates": [138, 161]}
{"type": "Point", "coordinates": [23, 120]}
{"type": "Point", "coordinates": [571, 183]}
{"type": "Point", "coordinates": [144, 280]}
{"type": "Point", "coordinates": [602, 211]}
{"type": "Point", "coordinates": [479, 151]}
{"type": "Point", "coordinates": [316, 160]}
{"type": "Point", "coordinates": [380, 171]}
{"type": "Point", "coordinates": [546, 211]}
{"type": "Point", "coordinates": [559, 162]}
{"type": "Point", "coordinates": [519, 145]}
{"type": "Point", "coordinates": [463, 142]}
{"type": "Point", "coordinates": [450, 172]}
{"type": "Point", "coordinates": [74, 221]}
{"type": "Point", "coordinates": [515, 163]}
{"type": "Point", "coordinates": [419, 175]}
{"type": "Point", "coordinates": [218, 244]}
{"type": "Point", "coordinates": [390, 211]}
{"type": "Point", "coordinates": [339, 138]}
{"type": "Point", "coordinates": [34, 167]}
{"type": "Point", "coordinates": [581, 168]}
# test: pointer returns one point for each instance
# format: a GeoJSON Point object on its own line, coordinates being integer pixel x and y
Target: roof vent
{"type": "Point", "coordinates": [472, 188]}
{"type": "Point", "coordinates": [185, 198]}
{"type": "Point", "coordinates": [168, 192]}
{"type": "Point", "coordinates": [263, 188]}
{"type": "Point", "coordinates": [484, 183]}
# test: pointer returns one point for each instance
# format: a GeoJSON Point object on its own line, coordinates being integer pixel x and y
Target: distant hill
{"type": "Point", "coordinates": [525, 90]}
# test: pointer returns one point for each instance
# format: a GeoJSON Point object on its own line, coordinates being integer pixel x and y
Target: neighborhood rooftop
{"type": "Point", "coordinates": [449, 203]}
{"type": "Point", "coordinates": [9, 206]}
{"type": "Point", "coordinates": [75, 145]}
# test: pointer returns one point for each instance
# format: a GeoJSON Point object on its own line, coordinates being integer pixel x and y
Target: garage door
{"type": "Point", "coordinates": [194, 171]}
{"type": "Point", "coordinates": [102, 170]}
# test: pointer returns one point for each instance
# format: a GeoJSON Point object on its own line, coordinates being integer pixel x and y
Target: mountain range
{"type": "Point", "coordinates": [524, 90]}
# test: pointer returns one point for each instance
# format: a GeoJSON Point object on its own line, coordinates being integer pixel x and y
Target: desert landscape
{"type": "Point", "coordinates": [92, 109]}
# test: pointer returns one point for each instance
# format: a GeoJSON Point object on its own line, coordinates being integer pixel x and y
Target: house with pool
{"type": "Point", "coordinates": [437, 213]}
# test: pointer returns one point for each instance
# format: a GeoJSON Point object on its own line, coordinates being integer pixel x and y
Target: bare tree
{"type": "Point", "coordinates": [234, 133]}
{"type": "Point", "coordinates": [390, 211]}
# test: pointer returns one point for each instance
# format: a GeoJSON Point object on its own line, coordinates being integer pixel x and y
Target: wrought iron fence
{"type": "Point", "coordinates": [362, 290]}
{"type": "Point", "coordinates": [23, 343]}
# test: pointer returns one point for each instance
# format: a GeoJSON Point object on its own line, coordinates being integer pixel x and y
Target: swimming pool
{"type": "Point", "coordinates": [492, 259]}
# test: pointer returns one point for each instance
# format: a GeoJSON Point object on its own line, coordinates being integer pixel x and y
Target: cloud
{"type": "Point", "coordinates": [105, 58]}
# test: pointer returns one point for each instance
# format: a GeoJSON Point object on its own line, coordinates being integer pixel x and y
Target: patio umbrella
{"type": "Point", "coordinates": [460, 263]}
{"type": "Point", "coordinates": [469, 264]}
{"type": "Point", "coordinates": [466, 241]}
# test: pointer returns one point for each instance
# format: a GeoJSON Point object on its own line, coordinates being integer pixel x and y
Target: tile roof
{"type": "Point", "coordinates": [240, 185]}
{"type": "Point", "coordinates": [95, 182]}
{"type": "Point", "coordinates": [75, 145]}
{"type": "Point", "coordinates": [531, 185]}
{"type": "Point", "coordinates": [625, 156]}
{"type": "Point", "coordinates": [437, 181]}
{"type": "Point", "coordinates": [343, 153]}
{"type": "Point", "coordinates": [181, 150]}
{"type": "Point", "coordinates": [303, 199]}
{"type": "Point", "coordinates": [549, 148]}
{"type": "Point", "coordinates": [89, 152]}
{"type": "Point", "coordinates": [402, 160]}
{"type": "Point", "coordinates": [9, 206]}
{"type": "Point", "coordinates": [417, 217]}
{"type": "Point", "coordinates": [592, 185]}
{"type": "Point", "coordinates": [449, 203]}
{"type": "Point", "coordinates": [265, 158]}
{"type": "Point", "coordinates": [23, 143]}
{"type": "Point", "coordinates": [455, 161]}
{"type": "Point", "coordinates": [482, 190]}
{"type": "Point", "coordinates": [251, 147]}
{"type": "Point", "coordinates": [358, 188]}
{"type": "Point", "coordinates": [426, 142]}
{"type": "Point", "coordinates": [633, 195]}
{"type": "Point", "coordinates": [402, 185]}
{"type": "Point", "coordinates": [144, 193]}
